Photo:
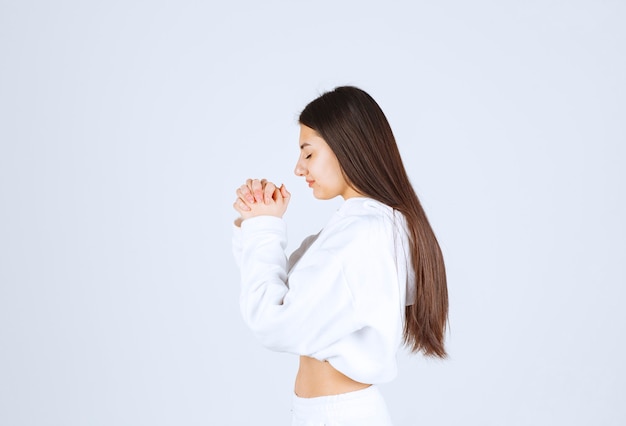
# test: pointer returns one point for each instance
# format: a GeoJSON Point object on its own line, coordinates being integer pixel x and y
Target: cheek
{"type": "Point", "coordinates": [324, 165]}
{"type": "Point", "coordinates": [333, 170]}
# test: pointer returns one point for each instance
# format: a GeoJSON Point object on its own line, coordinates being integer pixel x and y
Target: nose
{"type": "Point", "coordinates": [299, 170]}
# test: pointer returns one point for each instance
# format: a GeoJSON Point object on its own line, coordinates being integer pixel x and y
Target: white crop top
{"type": "Point", "coordinates": [340, 297]}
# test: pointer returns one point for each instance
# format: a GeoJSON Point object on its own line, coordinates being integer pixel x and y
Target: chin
{"type": "Point", "coordinates": [324, 196]}
{"type": "Point", "coordinates": [319, 196]}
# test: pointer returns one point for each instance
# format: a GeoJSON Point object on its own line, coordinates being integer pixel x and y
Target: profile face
{"type": "Point", "coordinates": [319, 166]}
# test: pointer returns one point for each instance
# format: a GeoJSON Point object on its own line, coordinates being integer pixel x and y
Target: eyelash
{"type": "Point", "coordinates": [307, 157]}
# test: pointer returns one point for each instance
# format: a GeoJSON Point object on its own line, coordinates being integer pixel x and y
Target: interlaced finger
{"type": "Point", "coordinates": [257, 190]}
{"type": "Point", "coordinates": [268, 191]}
{"type": "Point", "coordinates": [244, 193]}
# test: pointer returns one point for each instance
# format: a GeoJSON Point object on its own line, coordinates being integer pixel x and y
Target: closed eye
{"type": "Point", "coordinates": [308, 156]}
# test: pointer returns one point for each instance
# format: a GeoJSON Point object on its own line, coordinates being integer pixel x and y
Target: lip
{"type": "Point", "coordinates": [310, 182]}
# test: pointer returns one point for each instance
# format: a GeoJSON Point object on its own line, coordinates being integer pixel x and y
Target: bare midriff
{"type": "Point", "coordinates": [319, 378]}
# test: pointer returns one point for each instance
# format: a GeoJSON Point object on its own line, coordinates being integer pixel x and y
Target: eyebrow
{"type": "Point", "coordinates": [304, 144]}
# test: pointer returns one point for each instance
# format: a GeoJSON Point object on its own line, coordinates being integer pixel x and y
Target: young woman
{"type": "Point", "coordinates": [372, 279]}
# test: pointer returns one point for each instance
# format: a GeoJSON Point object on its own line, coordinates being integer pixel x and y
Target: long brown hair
{"type": "Point", "coordinates": [356, 129]}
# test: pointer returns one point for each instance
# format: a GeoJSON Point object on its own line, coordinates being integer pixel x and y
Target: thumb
{"type": "Point", "coordinates": [277, 195]}
{"type": "Point", "coordinates": [283, 191]}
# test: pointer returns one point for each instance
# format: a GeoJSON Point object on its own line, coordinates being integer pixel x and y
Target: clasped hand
{"type": "Point", "coordinates": [258, 197]}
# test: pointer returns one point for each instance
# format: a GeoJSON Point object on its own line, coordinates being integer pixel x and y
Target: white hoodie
{"type": "Point", "coordinates": [340, 297]}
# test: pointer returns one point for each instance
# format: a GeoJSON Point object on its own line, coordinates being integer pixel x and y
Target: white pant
{"type": "Point", "coordinates": [364, 407]}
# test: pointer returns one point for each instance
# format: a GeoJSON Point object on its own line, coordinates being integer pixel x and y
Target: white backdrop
{"type": "Point", "coordinates": [126, 126]}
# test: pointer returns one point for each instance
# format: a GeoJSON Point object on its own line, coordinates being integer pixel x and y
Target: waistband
{"type": "Point", "coordinates": [363, 407]}
{"type": "Point", "coordinates": [366, 393]}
